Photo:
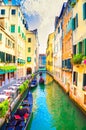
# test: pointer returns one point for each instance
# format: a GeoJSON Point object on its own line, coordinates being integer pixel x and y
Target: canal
{"type": "Point", "coordinates": [53, 109]}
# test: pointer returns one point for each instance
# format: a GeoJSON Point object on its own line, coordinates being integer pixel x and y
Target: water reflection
{"type": "Point", "coordinates": [64, 112]}
{"type": "Point", "coordinates": [42, 87]}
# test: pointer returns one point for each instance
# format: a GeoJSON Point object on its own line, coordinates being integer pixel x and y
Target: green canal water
{"type": "Point", "coordinates": [53, 109]}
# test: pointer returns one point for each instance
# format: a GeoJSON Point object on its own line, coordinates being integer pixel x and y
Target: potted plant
{"type": "Point", "coordinates": [77, 59]}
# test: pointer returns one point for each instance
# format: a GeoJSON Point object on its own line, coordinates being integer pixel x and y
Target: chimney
{"type": "Point", "coordinates": [9, 2]}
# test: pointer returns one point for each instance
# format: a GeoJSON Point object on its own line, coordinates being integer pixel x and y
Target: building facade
{"type": "Point", "coordinates": [67, 48]}
{"type": "Point", "coordinates": [7, 55]}
{"type": "Point", "coordinates": [49, 51]}
{"type": "Point", "coordinates": [58, 45]}
{"type": "Point", "coordinates": [32, 53]}
{"type": "Point", "coordinates": [14, 44]}
{"type": "Point", "coordinates": [78, 88]}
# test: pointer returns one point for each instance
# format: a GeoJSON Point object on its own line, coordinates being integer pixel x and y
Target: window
{"type": "Point", "coordinates": [12, 28]}
{"type": "Point", "coordinates": [2, 11]}
{"type": "Point", "coordinates": [14, 59]}
{"type": "Point", "coordinates": [63, 64]}
{"type": "Point", "coordinates": [23, 21]}
{"type": "Point", "coordinates": [13, 45]}
{"type": "Point", "coordinates": [84, 80]}
{"type": "Point", "coordinates": [13, 11]}
{"type": "Point", "coordinates": [84, 11]}
{"type": "Point", "coordinates": [7, 57]}
{"type": "Point", "coordinates": [75, 77]}
{"type": "Point", "coordinates": [76, 21]}
{"type": "Point", "coordinates": [28, 59]}
{"type": "Point", "coordinates": [6, 41]}
{"type": "Point", "coordinates": [9, 43]}
{"type": "Point", "coordinates": [2, 56]}
{"type": "Point", "coordinates": [19, 14]}
{"type": "Point", "coordinates": [29, 39]}
{"type": "Point", "coordinates": [80, 47]}
{"type": "Point", "coordinates": [74, 49]}
{"type": "Point", "coordinates": [29, 49]}
{"type": "Point", "coordinates": [68, 64]}
{"type": "Point", "coordinates": [0, 37]}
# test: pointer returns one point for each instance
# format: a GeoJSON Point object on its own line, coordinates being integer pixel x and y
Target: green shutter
{"type": "Point", "coordinates": [85, 47]}
{"type": "Point", "coordinates": [19, 29]}
{"type": "Point", "coordinates": [0, 37]}
{"type": "Point", "coordinates": [2, 56]}
{"type": "Point", "coordinates": [73, 24]}
{"type": "Point", "coordinates": [28, 59]}
{"type": "Point", "coordinates": [79, 48]}
{"type": "Point", "coordinates": [76, 22]}
{"type": "Point", "coordinates": [84, 11]}
{"type": "Point", "coordinates": [12, 28]}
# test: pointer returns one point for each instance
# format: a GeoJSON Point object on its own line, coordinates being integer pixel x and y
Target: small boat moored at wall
{"type": "Point", "coordinates": [20, 119]}
{"type": "Point", "coordinates": [33, 83]}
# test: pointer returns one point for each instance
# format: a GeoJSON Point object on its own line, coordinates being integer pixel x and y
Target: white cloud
{"type": "Point", "coordinates": [45, 10]}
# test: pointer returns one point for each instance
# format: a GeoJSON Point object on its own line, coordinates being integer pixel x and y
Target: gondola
{"type": "Point", "coordinates": [33, 83]}
{"type": "Point", "coordinates": [20, 119]}
{"type": "Point", "coordinates": [41, 80]}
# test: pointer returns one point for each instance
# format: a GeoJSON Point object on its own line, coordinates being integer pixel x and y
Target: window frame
{"type": "Point", "coordinates": [29, 40]}
{"type": "Point", "coordinates": [2, 11]}
{"type": "Point", "coordinates": [13, 12]}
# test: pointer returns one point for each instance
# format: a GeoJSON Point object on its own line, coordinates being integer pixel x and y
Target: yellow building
{"type": "Point", "coordinates": [49, 52]}
{"type": "Point", "coordinates": [31, 51]}
{"type": "Point", "coordinates": [78, 87]}
{"type": "Point", "coordinates": [7, 55]}
{"type": "Point", "coordinates": [57, 54]}
{"type": "Point", "coordinates": [15, 24]}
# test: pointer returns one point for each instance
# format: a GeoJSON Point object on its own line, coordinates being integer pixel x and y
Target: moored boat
{"type": "Point", "coordinates": [33, 83]}
{"type": "Point", "coordinates": [41, 80]}
{"type": "Point", "coordinates": [20, 119]}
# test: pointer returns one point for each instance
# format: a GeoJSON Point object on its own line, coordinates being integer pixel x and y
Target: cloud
{"type": "Point", "coordinates": [41, 15]}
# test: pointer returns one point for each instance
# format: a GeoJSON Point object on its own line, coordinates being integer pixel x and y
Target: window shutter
{"type": "Point", "coordinates": [74, 49]}
{"type": "Point", "coordinates": [12, 28]}
{"type": "Point", "coordinates": [85, 47]}
{"type": "Point", "coordinates": [76, 22]}
{"type": "Point", "coordinates": [19, 29]}
{"type": "Point", "coordinates": [68, 64]}
{"type": "Point", "coordinates": [73, 24]}
{"type": "Point", "coordinates": [84, 11]}
{"type": "Point", "coordinates": [79, 48]}
{"type": "Point", "coordinates": [28, 59]}
{"type": "Point", "coordinates": [0, 37]}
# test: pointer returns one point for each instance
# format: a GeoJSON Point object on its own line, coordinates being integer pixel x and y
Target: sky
{"type": "Point", "coordinates": [41, 15]}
